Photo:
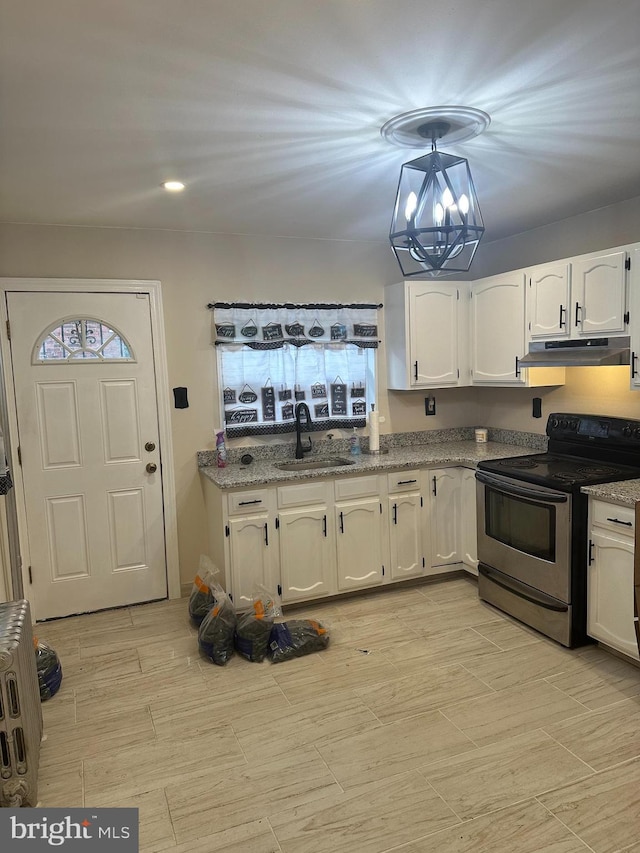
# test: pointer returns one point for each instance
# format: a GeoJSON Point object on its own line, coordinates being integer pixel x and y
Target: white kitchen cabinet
{"type": "Point", "coordinates": [610, 580]}
{"type": "Point", "coordinates": [634, 310]}
{"type": "Point", "coordinates": [497, 330]}
{"type": "Point", "coordinates": [468, 520]}
{"type": "Point", "coordinates": [251, 556]}
{"type": "Point", "coordinates": [425, 334]}
{"type": "Point", "coordinates": [582, 298]}
{"type": "Point", "coordinates": [306, 541]}
{"type": "Point", "coordinates": [359, 526]}
{"type": "Point", "coordinates": [444, 515]}
{"type": "Point", "coordinates": [407, 530]}
{"type": "Point", "coordinates": [598, 295]}
{"type": "Point", "coordinates": [498, 335]}
{"type": "Point", "coordinates": [548, 301]}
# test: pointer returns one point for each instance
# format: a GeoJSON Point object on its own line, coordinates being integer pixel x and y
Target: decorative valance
{"type": "Point", "coordinates": [269, 326]}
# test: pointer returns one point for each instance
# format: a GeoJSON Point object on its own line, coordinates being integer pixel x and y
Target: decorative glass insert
{"type": "Point", "coordinates": [82, 340]}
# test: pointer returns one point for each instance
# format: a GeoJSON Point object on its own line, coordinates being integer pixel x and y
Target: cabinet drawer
{"type": "Point", "coordinates": [241, 503]}
{"type": "Point", "coordinates": [403, 481]}
{"type": "Point", "coordinates": [613, 517]}
{"type": "Point", "coordinates": [357, 487]}
{"type": "Point", "coordinates": [302, 494]}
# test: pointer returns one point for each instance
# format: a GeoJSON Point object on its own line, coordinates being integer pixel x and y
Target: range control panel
{"type": "Point", "coordinates": [616, 432]}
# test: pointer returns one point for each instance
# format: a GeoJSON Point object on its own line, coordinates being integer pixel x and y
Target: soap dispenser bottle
{"type": "Point", "coordinates": [355, 443]}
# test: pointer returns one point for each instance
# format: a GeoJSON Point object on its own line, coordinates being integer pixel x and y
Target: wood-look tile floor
{"type": "Point", "coordinates": [432, 723]}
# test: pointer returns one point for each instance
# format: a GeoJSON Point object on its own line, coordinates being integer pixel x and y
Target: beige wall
{"type": "Point", "coordinates": [197, 268]}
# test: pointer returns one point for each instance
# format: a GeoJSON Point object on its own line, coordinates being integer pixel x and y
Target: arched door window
{"type": "Point", "coordinates": [81, 340]}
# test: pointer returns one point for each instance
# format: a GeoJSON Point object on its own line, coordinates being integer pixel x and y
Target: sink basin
{"type": "Point", "coordinates": [312, 464]}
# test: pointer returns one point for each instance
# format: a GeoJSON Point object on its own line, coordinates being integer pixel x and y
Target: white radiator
{"type": "Point", "coordinates": [20, 709]}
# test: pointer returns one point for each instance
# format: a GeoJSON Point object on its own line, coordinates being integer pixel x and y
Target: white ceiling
{"type": "Point", "coordinates": [270, 110]}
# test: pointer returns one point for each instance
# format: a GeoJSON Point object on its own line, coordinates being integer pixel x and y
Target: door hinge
{"type": "Point", "coordinates": [458, 371]}
{"type": "Point", "coordinates": [529, 282]}
{"type": "Point", "coordinates": [424, 563]}
{"type": "Point", "coordinates": [626, 317]}
{"type": "Point", "coordinates": [30, 575]}
{"type": "Point", "coordinates": [226, 530]}
{"type": "Point", "coordinates": [19, 456]}
{"type": "Point", "coordinates": [421, 501]}
{"type": "Point", "coordinates": [277, 522]}
{"type": "Point", "coordinates": [383, 571]}
{"type": "Point", "coordinates": [380, 509]}
{"type": "Point", "coordinates": [457, 294]}
{"type": "Point", "coordinates": [627, 264]}
{"type": "Point", "coordinates": [9, 330]}
{"type": "Point", "coordinates": [279, 589]}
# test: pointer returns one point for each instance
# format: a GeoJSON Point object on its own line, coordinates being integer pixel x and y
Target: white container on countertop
{"type": "Point", "coordinates": [482, 435]}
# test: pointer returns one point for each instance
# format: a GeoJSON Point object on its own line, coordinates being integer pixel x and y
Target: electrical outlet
{"type": "Point", "coordinates": [429, 405]}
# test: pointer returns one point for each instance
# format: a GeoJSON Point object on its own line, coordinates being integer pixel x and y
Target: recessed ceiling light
{"type": "Point", "coordinates": [173, 186]}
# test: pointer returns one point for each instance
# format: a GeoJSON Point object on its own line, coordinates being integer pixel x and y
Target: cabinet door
{"type": "Point", "coordinates": [307, 553]}
{"type": "Point", "coordinates": [634, 308]}
{"type": "Point", "coordinates": [405, 535]}
{"type": "Point", "coordinates": [468, 520]}
{"type": "Point", "coordinates": [548, 302]}
{"type": "Point", "coordinates": [498, 330]}
{"type": "Point", "coordinates": [251, 547]}
{"type": "Point", "coordinates": [598, 294]}
{"type": "Point", "coordinates": [610, 593]}
{"type": "Point", "coordinates": [444, 513]}
{"type": "Point", "coordinates": [433, 324]}
{"type": "Point", "coordinates": [359, 544]}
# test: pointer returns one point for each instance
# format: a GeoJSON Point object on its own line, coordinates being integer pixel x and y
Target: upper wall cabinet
{"type": "Point", "coordinates": [497, 329]}
{"type": "Point", "coordinates": [425, 325]}
{"type": "Point", "coordinates": [634, 326]}
{"type": "Point", "coordinates": [584, 298]}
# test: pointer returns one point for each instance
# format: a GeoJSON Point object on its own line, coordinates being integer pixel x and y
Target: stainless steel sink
{"type": "Point", "coordinates": [312, 464]}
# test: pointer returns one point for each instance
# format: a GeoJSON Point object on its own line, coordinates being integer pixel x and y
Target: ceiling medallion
{"type": "Point", "coordinates": [437, 224]}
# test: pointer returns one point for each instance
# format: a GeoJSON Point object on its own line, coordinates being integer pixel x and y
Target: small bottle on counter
{"type": "Point", "coordinates": [355, 443]}
{"type": "Point", "coordinates": [221, 450]}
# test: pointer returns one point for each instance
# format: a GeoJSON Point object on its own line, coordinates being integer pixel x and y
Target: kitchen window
{"type": "Point", "coordinates": [271, 357]}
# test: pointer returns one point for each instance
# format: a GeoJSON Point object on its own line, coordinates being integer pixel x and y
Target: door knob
{"type": "Point", "coordinates": [149, 447]}
{"type": "Point", "coordinates": [152, 468]}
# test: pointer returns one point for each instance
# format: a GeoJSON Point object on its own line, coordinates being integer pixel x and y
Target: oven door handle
{"type": "Point", "coordinates": [522, 590]}
{"type": "Point", "coordinates": [521, 491]}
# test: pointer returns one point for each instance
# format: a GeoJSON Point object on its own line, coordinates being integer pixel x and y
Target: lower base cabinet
{"type": "Point", "coordinates": [610, 578]}
{"type": "Point", "coordinates": [321, 537]}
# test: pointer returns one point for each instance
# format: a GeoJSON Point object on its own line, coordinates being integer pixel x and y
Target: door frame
{"type": "Point", "coordinates": [79, 285]}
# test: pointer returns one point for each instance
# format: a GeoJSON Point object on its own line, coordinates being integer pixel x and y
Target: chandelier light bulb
{"type": "Point", "coordinates": [463, 204]}
{"type": "Point", "coordinates": [447, 198]}
{"type": "Point", "coordinates": [438, 214]}
{"type": "Point", "coordinates": [411, 205]}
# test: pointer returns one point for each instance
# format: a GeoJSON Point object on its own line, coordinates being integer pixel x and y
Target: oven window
{"type": "Point", "coordinates": [525, 525]}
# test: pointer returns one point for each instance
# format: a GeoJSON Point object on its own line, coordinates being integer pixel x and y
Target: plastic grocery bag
{"type": "Point", "coordinates": [201, 600]}
{"type": "Point", "coordinates": [49, 670]}
{"type": "Point", "coordinates": [295, 638]}
{"type": "Point", "coordinates": [254, 627]}
{"type": "Point", "coordinates": [217, 629]}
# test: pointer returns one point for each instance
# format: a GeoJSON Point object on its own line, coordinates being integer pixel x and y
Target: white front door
{"type": "Point", "coordinates": [88, 430]}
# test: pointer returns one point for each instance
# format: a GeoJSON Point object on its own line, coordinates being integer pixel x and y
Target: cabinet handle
{"type": "Point", "coordinates": [266, 533]}
{"type": "Point", "coordinates": [435, 486]}
{"type": "Point", "coordinates": [590, 559]}
{"type": "Point", "coordinates": [563, 310]}
{"type": "Point", "coordinates": [324, 524]}
{"type": "Point", "coordinates": [578, 310]}
{"type": "Point", "coordinates": [634, 361]}
{"type": "Point", "coordinates": [395, 513]}
{"type": "Point", "coordinates": [406, 482]}
{"type": "Point", "coordinates": [341, 523]}
{"type": "Point", "coordinates": [415, 370]}
{"type": "Point", "coordinates": [247, 503]}
{"type": "Point", "coordinates": [517, 367]}
{"type": "Point", "coordinates": [617, 521]}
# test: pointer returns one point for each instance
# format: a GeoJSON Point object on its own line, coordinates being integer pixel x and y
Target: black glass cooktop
{"type": "Point", "coordinates": [561, 472]}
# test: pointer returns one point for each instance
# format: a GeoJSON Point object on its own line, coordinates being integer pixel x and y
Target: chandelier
{"type": "Point", "coordinates": [437, 224]}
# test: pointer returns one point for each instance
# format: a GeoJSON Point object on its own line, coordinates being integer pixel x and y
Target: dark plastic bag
{"type": "Point", "coordinates": [201, 600]}
{"type": "Point", "coordinates": [49, 670]}
{"type": "Point", "coordinates": [217, 629]}
{"type": "Point", "coordinates": [295, 638]}
{"type": "Point", "coordinates": [254, 627]}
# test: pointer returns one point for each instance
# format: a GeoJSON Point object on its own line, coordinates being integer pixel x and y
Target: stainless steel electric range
{"type": "Point", "coordinates": [532, 521]}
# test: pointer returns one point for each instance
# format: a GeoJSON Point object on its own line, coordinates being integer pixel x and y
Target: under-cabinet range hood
{"type": "Point", "coordinates": [587, 353]}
